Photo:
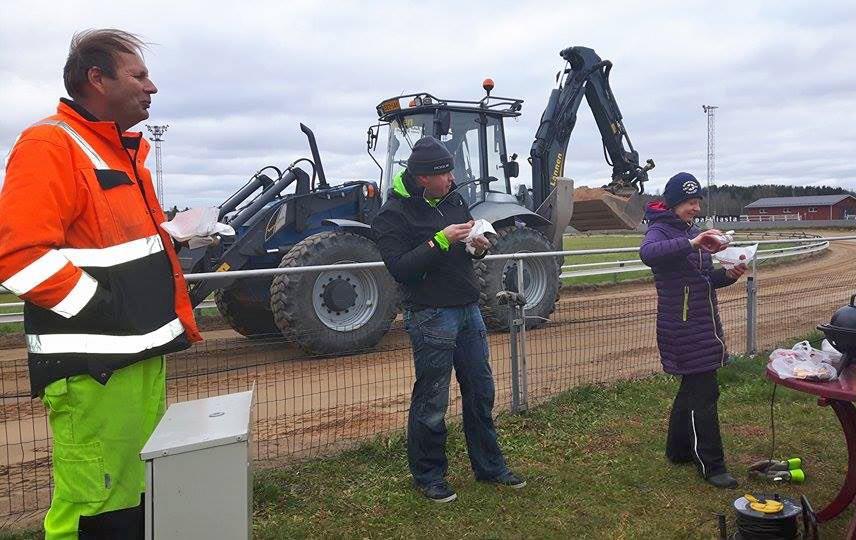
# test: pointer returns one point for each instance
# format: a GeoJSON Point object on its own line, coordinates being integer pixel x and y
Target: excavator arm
{"type": "Point", "coordinates": [585, 74]}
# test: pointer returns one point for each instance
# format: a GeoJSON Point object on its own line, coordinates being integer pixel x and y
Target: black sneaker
{"type": "Point", "coordinates": [508, 479]}
{"type": "Point", "coordinates": [723, 480]}
{"type": "Point", "coordinates": [440, 492]}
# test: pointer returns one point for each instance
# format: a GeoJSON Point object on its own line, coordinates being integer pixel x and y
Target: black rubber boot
{"type": "Point", "coordinates": [723, 481]}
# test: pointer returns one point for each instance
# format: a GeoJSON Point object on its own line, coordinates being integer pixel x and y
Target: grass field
{"type": "Point", "coordinates": [10, 328]}
{"type": "Point", "coordinates": [6, 298]}
{"type": "Point", "coordinates": [594, 461]}
{"type": "Point", "coordinates": [602, 242]}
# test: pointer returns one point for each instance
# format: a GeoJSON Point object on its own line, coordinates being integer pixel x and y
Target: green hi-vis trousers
{"type": "Point", "coordinates": [98, 432]}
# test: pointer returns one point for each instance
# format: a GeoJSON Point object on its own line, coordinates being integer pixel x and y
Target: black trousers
{"type": "Point", "coordinates": [694, 425]}
{"type": "Point", "coordinates": [127, 524]}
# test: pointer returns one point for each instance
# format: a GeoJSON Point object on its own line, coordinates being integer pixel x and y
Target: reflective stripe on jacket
{"type": "Point", "coordinates": [80, 243]}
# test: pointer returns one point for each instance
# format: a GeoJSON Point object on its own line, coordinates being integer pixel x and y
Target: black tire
{"type": "Point", "coordinates": [246, 307]}
{"type": "Point", "coordinates": [312, 308]}
{"type": "Point", "coordinates": [499, 275]}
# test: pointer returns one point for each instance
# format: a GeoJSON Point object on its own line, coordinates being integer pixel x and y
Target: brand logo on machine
{"type": "Point", "coordinates": [557, 169]}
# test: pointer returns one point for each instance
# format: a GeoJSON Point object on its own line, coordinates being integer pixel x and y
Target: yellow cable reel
{"type": "Point", "coordinates": [767, 506]}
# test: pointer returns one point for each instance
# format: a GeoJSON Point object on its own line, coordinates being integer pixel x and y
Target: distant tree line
{"type": "Point", "coordinates": [731, 200]}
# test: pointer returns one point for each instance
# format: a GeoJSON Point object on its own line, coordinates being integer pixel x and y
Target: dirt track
{"type": "Point", "coordinates": [307, 406]}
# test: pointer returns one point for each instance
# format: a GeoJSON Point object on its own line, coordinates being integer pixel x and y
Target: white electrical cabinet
{"type": "Point", "coordinates": [198, 471]}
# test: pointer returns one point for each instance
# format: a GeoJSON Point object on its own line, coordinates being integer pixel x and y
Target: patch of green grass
{"type": "Point", "coordinates": [594, 461]}
{"type": "Point", "coordinates": [11, 328]}
{"type": "Point", "coordinates": [6, 298]}
{"type": "Point", "coordinates": [207, 312]}
{"type": "Point", "coordinates": [606, 241]}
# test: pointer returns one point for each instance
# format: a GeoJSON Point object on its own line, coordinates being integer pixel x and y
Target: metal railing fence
{"type": "Point", "coordinates": [568, 270]}
{"type": "Point", "coordinates": [310, 406]}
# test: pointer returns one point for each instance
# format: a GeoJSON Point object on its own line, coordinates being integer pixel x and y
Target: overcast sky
{"type": "Point", "coordinates": [236, 78]}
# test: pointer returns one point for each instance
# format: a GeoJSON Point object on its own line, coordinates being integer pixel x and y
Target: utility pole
{"type": "Point", "coordinates": [157, 137]}
{"type": "Point", "coordinates": [710, 111]}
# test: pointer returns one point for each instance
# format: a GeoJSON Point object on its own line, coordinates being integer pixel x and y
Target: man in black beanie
{"type": "Point", "coordinates": [421, 231]}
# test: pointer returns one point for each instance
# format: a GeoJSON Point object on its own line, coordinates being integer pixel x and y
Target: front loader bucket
{"type": "Point", "coordinates": [596, 209]}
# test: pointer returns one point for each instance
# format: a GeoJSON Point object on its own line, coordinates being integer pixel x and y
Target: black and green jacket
{"type": "Point", "coordinates": [432, 272]}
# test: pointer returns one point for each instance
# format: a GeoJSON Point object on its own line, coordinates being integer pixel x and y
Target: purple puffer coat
{"type": "Point", "coordinates": [689, 332]}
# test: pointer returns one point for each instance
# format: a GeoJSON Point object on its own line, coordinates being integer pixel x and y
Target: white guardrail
{"type": "Point", "coordinates": [808, 245]}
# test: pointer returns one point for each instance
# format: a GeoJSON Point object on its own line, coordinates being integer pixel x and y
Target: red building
{"type": "Point", "coordinates": [802, 208]}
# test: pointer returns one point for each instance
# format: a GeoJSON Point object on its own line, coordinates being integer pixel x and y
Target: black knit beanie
{"type": "Point", "coordinates": [429, 157]}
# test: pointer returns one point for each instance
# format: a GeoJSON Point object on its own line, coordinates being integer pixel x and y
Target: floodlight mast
{"type": "Point", "coordinates": [157, 137]}
{"type": "Point", "coordinates": [710, 111]}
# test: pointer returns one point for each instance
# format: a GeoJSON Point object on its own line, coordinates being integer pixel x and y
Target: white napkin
{"type": "Point", "coordinates": [197, 226]}
{"type": "Point", "coordinates": [731, 256]}
{"type": "Point", "coordinates": [480, 228]}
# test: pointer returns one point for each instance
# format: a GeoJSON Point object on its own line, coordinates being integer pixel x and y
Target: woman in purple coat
{"type": "Point", "coordinates": [689, 332]}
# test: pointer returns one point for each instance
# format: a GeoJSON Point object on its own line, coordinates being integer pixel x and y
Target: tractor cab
{"type": "Point", "coordinates": [471, 130]}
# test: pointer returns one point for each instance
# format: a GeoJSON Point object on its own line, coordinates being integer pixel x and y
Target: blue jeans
{"type": "Point", "coordinates": [443, 338]}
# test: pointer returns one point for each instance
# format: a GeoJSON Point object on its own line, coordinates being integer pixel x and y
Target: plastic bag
{"type": "Point", "coordinates": [197, 225]}
{"type": "Point", "coordinates": [834, 355]}
{"type": "Point", "coordinates": [803, 362]}
{"type": "Point", "coordinates": [734, 256]}
{"type": "Point", "coordinates": [480, 228]}
{"type": "Point", "coordinates": [827, 347]}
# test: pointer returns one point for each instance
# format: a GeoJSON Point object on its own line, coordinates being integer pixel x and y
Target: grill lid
{"type": "Point", "coordinates": [845, 317]}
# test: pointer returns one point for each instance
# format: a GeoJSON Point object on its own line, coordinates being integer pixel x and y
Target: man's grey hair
{"type": "Point", "coordinates": [96, 48]}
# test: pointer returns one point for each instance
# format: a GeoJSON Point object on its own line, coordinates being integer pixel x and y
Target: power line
{"type": "Point", "coordinates": [710, 111]}
{"type": "Point", "coordinates": [157, 137]}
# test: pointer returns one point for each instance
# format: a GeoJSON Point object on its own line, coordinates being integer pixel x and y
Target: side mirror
{"type": "Point", "coordinates": [512, 169]}
{"type": "Point", "coordinates": [443, 122]}
{"type": "Point", "coordinates": [371, 138]}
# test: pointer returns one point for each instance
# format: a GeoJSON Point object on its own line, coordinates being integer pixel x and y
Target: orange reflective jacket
{"type": "Point", "coordinates": [80, 243]}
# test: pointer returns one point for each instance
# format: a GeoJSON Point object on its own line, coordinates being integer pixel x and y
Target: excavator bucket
{"type": "Point", "coordinates": [596, 209]}
{"type": "Point", "coordinates": [558, 209]}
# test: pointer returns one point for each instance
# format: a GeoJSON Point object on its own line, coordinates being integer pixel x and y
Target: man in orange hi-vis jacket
{"type": "Point", "coordinates": [105, 299]}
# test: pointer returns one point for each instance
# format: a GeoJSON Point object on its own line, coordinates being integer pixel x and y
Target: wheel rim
{"type": "Point", "coordinates": [345, 300]}
{"type": "Point", "coordinates": [535, 277]}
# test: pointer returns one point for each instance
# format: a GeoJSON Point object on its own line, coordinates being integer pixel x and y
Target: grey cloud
{"type": "Point", "coordinates": [235, 81]}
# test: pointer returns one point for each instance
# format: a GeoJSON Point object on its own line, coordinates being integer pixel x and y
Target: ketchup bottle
{"type": "Point", "coordinates": [717, 242]}
{"type": "Point", "coordinates": [711, 242]}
